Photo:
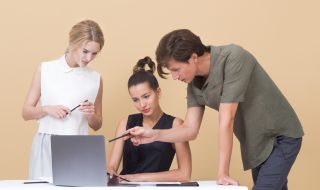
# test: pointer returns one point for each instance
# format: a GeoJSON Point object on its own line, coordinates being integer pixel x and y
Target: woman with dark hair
{"type": "Point", "coordinates": [230, 80]}
{"type": "Point", "coordinates": [150, 162]}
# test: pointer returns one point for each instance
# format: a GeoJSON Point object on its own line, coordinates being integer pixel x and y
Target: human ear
{"type": "Point", "coordinates": [193, 58]}
{"type": "Point", "coordinates": [159, 92]}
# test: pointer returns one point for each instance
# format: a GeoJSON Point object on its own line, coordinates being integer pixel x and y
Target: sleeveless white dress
{"type": "Point", "coordinates": [60, 85]}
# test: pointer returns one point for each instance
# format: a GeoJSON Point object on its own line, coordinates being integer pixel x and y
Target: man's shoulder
{"type": "Point", "coordinates": [233, 49]}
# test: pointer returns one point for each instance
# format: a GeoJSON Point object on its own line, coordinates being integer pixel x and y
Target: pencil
{"type": "Point", "coordinates": [119, 137]}
{"type": "Point", "coordinates": [77, 106]}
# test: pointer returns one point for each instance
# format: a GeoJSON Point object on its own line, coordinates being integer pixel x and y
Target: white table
{"type": "Point", "coordinates": [203, 185]}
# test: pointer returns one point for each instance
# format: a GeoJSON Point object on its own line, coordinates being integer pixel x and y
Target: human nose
{"type": "Point", "coordinates": [143, 104]}
{"type": "Point", "coordinates": [174, 75]}
{"type": "Point", "coordinates": [88, 57]}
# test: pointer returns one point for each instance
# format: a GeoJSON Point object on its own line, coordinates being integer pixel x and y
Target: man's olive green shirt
{"type": "Point", "coordinates": [263, 112]}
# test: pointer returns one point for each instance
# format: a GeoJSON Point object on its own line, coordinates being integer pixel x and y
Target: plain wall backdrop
{"type": "Point", "coordinates": [283, 36]}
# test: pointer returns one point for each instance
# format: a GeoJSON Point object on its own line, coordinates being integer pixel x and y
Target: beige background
{"type": "Point", "coordinates": [283, 35]}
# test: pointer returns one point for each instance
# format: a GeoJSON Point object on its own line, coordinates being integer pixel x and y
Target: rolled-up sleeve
{"type": "Point", "coordinates": [192, 98]}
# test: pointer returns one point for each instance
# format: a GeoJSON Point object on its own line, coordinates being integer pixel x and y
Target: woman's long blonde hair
{"type": "Point", "coordinates": [86, 30]}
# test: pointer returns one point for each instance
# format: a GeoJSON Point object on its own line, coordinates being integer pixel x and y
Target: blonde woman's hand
{"type": "Point", "coordinates": [57, 111]}
{"type": "Point", "coordinates": [87, 108]}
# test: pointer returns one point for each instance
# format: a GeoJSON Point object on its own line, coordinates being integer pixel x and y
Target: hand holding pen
{"type": "Point", "coordinates": [77, 106]}
{"type": "Point", "coordinates": [87, 108]}
{"type": "Point", "coordinates": [57, 111]}
{"type": "Point", "coordinates": [112, 175]}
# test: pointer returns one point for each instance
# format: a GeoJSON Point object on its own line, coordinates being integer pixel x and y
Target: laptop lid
{"type": "Point", "coordinates": [78, 160]}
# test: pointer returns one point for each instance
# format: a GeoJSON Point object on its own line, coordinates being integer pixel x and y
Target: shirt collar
{"type": "Point", "coordinates": [201, 82]}
{"type": "Point", "coordinates": [64, 65]}
{"type": "Point", "coordinates": [66, 68]}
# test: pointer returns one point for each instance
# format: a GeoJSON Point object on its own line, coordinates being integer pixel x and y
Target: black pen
{"type": "Point", "coordinates": [119, 137]}
{"type": "Point", "coordinates": [77, 106]}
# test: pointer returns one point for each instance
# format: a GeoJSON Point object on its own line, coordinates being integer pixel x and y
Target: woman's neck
{"type": "Point", "coordinates": [70, 61]}
{"type": "Point", "coordinates": [152, 120]}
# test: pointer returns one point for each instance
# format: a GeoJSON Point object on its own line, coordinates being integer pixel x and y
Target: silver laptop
{"type": "Point", "coordinates": [78, 160]}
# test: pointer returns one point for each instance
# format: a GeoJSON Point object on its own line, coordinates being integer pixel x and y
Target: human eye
{"type": "Point", "coordinates": [175, 70]}
{"type": "Point", "coordinates": [85, 51]}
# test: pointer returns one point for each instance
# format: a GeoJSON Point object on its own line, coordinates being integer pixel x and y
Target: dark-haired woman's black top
{"type": "Point", "coordinates": [153, 157]}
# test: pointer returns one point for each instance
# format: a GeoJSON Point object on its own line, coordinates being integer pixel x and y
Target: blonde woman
{"type": "Point", "coordinates": [60, 85]}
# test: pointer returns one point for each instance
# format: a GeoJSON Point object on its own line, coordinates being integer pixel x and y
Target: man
{"type": "Point", "coordinates": [230, 80]}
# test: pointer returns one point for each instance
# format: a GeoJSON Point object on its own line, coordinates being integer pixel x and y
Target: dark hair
{"type": "Point", "coordinates": [140, 75]}
{"type": "Point", "coordinates": [179, 45]}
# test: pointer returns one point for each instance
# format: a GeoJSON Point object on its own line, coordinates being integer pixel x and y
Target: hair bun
{"type": "Point", "coordinates": [140, 66]}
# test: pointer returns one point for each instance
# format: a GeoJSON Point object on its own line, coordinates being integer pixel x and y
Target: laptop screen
{"type": "Point", "coordinates": [78, 160]}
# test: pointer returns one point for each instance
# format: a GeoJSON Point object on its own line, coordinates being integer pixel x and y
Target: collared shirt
{"type": "Point", "coordinates": [263, 112]}
{"type": "Point", "coordinates": [66, 86]}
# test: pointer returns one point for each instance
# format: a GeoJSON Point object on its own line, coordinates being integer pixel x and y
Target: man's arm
{"type": "Point", "coordinates": [187, 131]}
{"type": "Point", "coordinates": [227, 112]}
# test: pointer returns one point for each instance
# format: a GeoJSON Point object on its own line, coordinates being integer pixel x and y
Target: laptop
{"type": "Point", "coordinates": [78, 160]}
